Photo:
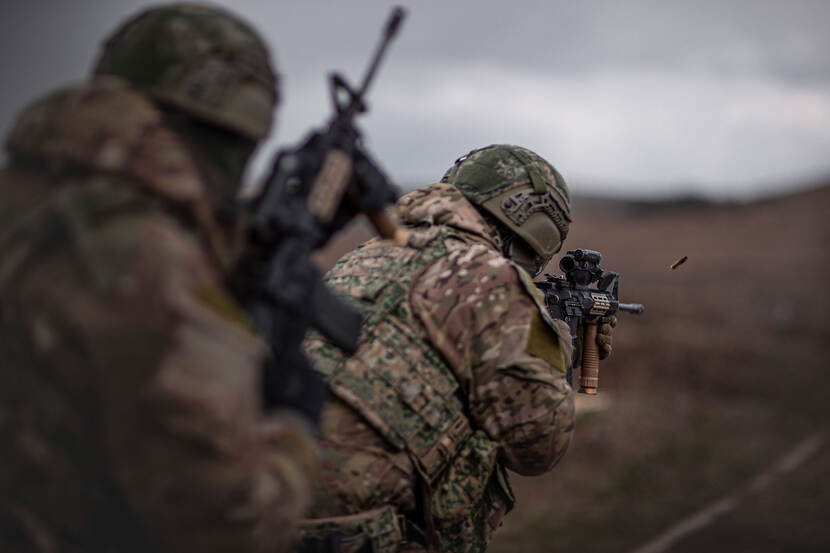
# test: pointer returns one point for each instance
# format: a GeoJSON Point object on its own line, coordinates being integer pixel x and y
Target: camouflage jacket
{"type": "Point", "coordinates": [459, 375]}
{"type": "Point", "coordinates": [131, 416]}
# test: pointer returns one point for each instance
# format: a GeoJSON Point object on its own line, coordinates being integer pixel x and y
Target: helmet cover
{"type": "Point", "coordinates": [520, 189]}
{"type": "Point", "coordinates": [200, 60]}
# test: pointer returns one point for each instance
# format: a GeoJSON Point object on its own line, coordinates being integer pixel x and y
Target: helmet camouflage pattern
{"type": "Point", "coordinates": [199, 60]}
{"type": "Point", "coordinates": [520, 189]}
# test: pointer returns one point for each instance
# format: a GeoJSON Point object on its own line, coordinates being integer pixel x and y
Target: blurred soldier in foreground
{"type": "Point", "coordinates": [131, 410]}
{"type": "Point", "coordinates": [460, 372]}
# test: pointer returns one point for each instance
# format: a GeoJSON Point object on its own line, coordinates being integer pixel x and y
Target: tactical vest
{"type": "Point", "coordinates": [401, 385]}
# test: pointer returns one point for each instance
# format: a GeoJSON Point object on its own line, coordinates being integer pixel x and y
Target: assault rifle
{"type": "Point", "coordinates": [312, 190]}
{"type": "Point", "coordinates": [573, 300]}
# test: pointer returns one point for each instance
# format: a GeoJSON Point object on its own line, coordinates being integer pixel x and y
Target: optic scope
{"type": "Point", "coordinates": [581, 266]}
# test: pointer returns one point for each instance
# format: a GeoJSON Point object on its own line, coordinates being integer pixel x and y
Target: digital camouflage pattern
{"type": "Point", "coordinates": [200, 60]}
{"type": "Point", "coordinates": [459, 376]}
{"type": "Point", "coordinates": [131, 414]}
{"type": "Point", "coordinates": [522, 190]}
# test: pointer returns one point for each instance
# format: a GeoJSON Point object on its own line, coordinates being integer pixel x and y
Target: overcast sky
{"type": "Point", "coordinates": [729, 98]}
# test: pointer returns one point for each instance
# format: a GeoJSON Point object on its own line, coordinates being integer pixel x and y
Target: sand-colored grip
{"type": "Point", "coordinates": [330, 185]}
{"type": "Point", "coordinates": [589, 379]}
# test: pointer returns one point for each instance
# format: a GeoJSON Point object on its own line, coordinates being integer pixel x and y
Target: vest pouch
{"type": "Point", "coordinates": [499, 500]}
{"type": "Point", "coordinates": [460, 490]}
{"type": "Point", "coordinates": [379, 530]}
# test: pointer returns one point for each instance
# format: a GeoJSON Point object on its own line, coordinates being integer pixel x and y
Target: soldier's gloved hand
{"type": "Point", "coordinates": [294, 385]}
{"type": "Point", "coordinates": [604, 340]}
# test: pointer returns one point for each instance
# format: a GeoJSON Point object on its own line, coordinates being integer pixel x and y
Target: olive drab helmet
{"type": "Point", "coordinates": [200, 60]}
{"type": "Point", "coordinates": [525, 193]}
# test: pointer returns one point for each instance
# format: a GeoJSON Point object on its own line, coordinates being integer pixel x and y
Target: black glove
{"type": "Point", "coordinates": [294, 385]}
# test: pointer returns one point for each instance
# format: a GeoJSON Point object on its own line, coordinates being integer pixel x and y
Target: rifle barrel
{"type": "Point", "coordinates": [631, 307]}
{"type": "Point", "coordinates": [392, 26]}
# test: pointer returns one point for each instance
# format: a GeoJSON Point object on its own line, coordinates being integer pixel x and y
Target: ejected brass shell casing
{"type": "Point", "coordinates": [679, 262]}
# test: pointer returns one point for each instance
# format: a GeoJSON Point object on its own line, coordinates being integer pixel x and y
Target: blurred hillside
{"type": "Point", "coordinates": [725, 372]}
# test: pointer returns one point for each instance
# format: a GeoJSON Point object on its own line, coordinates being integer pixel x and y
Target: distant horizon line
{"type": "Point", "coordinates": [668, 192]}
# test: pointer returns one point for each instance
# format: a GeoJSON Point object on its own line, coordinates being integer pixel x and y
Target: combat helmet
{"type": "Point", "coordinates": [200, 60]}
{"type": "Point", "coordinates": [523, 192]}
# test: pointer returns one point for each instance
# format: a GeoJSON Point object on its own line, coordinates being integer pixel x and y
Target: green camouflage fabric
{"type": "Point", "coordinates": [518, 187]}
{"type": "Point", "coordinates": [484, 172]}
{"type": "Point", "coordinates": [131, 416]}
{"type": "Point", "coordinates": [449, 321]}
{"type": "Point", "coordinates": [200, 60]}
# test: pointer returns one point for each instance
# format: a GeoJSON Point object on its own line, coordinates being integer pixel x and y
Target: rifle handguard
{"type": "Point", "coordinates": [589, 377]}
{"type": "Point", "coordinates": [330, 185]}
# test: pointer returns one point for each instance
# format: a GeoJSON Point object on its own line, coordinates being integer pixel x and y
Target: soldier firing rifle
{"type": "Point", "coordinates": [583, 308]}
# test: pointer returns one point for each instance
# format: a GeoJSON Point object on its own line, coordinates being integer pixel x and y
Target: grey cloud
{"type": "Point", "coordinates": [576, 60]}
{"type": "Point", "coordinates": [783, 38]}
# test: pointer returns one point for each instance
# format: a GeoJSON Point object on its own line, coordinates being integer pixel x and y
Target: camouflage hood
{"type": "Point", "coordinates": [105, 126]}
{"type": "Point", "coordinates": [444, 204]}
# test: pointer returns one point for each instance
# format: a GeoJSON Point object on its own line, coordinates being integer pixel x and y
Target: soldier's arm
{"type": "Point", "coordinates": [177, 380]}
{"type": "Point", "coordinates": [510, 363]}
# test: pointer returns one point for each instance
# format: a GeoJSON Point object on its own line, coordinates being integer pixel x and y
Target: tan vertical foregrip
{"type": "Point", "coordinates": [589, 378]}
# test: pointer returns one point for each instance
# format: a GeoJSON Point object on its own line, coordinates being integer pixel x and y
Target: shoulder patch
{"type": "Point", "coordinates": [544, 344]}
{"type": "Point", "coordinates": [565, 342]}
{"type": "Point", "coordinates": [536, 295]}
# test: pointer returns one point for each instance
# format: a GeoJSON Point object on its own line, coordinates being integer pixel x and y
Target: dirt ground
{"type": "Point", "coordinates": [725, 372]}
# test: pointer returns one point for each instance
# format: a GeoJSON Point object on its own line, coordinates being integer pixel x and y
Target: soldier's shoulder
{"type": "Point", "coordinates": [476, 270]}
{"type": "Point", "coordinates": [105, 125]}
{"type": "Point", "coordinates": [471, 275]}
{"type": "Point", "coordinates": [470, 261]}
{"type": "Point", "coordinates": [480, 263]}
{"type": "Point", "coordinates": [151, 254]}
{"type": "Point", "coordinates": [89, 123]}
{"type": "Point", "coordinates": [117, 234]}
{"type": "Point", "coordinates": [99, 224]}
{"type": "Point", "coordinates": [150, 240]}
